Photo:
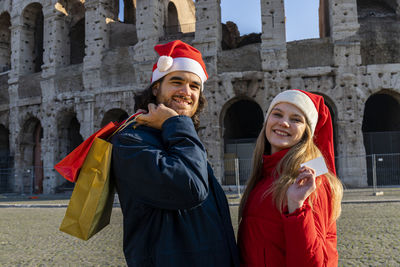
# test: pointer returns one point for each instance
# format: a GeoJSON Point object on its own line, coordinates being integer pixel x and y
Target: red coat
{"type": "Point", "coordinates": [303, 238]}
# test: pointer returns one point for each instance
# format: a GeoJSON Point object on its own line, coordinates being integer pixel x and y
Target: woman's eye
{"type": "Point", "coordinates": [277, 115]}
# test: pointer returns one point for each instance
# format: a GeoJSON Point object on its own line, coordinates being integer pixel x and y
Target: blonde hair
{"type": "Point", "coordinates": [287, 171]}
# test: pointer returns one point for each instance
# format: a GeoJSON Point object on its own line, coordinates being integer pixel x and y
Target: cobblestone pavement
{"type": "Point", "coordinates": [368, 235]}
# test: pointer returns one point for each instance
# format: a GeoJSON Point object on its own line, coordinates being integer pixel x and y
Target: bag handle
{"type": "Point", "coordinates": [126, 123]}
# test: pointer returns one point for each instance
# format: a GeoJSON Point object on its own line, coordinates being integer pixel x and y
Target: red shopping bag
{"type": "Point", "coordinates": [70, 166]}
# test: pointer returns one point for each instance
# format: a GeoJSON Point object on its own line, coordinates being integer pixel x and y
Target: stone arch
{"type": "Point", "coordinates": [31, 158]}
{"type": "Point", "coordinates": [5, 41]}
{"type": "Point", "coordinates": [32, 39]}
{"type": "Point", "coordinates": [115, 115]}
{"type": "Point", "coordinates": [240, 131]}
{"type": "Point", "coordinates": [381, 131]}
{"type": "Point", "coordinates": [5, 160]}
{"type": "Point", "coordinates": [172, 25]}
{"type": "Point", "coordinates": [180, 16]}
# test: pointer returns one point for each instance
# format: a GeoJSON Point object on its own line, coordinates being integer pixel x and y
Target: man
{"type": "Point", "coordinates": [175, 212]}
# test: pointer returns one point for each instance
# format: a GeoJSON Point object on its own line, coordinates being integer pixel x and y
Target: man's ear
{"type": "Point", "coordinates": [155, 88]}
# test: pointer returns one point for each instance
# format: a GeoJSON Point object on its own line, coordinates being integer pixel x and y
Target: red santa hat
{"type": "Point", "coordinates": [319, 119]}
{"type": "Point", "coordinates": [178, 56]}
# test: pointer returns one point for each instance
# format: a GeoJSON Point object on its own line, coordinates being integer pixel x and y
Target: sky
{"type": "Point", "coordinates": [301, 17]}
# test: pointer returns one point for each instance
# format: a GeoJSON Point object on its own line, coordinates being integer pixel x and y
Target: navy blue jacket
{"type": "Point", "coordinates": [175, 212]}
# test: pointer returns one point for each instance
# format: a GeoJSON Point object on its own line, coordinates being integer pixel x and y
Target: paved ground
{"type": "Point", "coordinates": [368, 233]}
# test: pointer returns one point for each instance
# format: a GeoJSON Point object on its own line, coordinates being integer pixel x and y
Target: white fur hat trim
{"type": "Point", "coordinates": [179, 64]}
{"type": "Point", "coordinates": [301, 101]}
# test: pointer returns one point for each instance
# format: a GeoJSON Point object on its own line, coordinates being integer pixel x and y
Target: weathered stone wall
{"type": "Point", "coordinates": [310, 53]}
{"type": "Point", "coordinates": [357, 58]}
{"type": "Point", "coordinates": [245, 58]}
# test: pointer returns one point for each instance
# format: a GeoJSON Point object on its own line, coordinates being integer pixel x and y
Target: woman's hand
{"type": "Point", "coordinates": [156, 116]}
{"type": "Point", "coordinates": [304, 185]}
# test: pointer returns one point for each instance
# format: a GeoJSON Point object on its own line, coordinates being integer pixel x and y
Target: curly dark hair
{"type": "Point", "coordinates": [145, 97]}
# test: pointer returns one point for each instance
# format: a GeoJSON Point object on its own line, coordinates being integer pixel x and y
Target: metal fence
{"type": "Point", "coordinates": [372, 171]}
{"type": "Point", "coordinates": [28, 180]}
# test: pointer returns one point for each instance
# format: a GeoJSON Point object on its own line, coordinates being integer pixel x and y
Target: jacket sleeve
{"type": "Point", "coordinates": [311, 238]}
{"type": "Point", "coordinates": [165, 169]}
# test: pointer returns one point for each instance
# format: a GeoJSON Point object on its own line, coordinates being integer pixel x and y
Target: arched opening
{"type": "Point", "coordinates": [381, 130]}
{"type": "Point", "coordinates": [379, 31]}
{"type": "Point", "coordinates": [172, 19]}
{"type": "Point", "coordinates": [5, 160]}
{"type": "Point", "coordinates": [240, 25]}
{"type": "Point", "coordinates": [32, 39]}
{"type": "Point", "coordinates": [5, 42]}
{"type": "Point", "coordinates": [127, 11]}
{"type": "Point", "coordinates": [240, 133]}
{"type": "Point", "coordinates": [69, 138]}
{"type": "Point", "coordinates": [114, 115]}
{"type": "Point", "coordinates": [32, 134]}
{"type": "Point", "coordinates": [77, 42]}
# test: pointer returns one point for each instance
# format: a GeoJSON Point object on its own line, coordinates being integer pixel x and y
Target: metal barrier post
{"type": "Point", "coordinates": [237, 175]}
{"type": "Point", "coordinates": [374, 173]}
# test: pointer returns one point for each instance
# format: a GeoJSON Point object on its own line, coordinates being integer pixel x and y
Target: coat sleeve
{"type": "Point", "coordinates": [310, 236]}
{"type": "Point", "coordinates": [166, 169]}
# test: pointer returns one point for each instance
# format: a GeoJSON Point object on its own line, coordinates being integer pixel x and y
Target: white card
{"type": "Point", "coordinates": [318, 164]}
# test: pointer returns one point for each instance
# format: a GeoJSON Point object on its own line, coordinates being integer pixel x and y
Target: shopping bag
{"type": "Point", "coordinates": [90, 206]}
{"type": "Point", "coordinates": [70, 166]}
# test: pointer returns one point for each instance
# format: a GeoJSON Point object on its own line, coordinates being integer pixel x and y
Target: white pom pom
{"type": "Point", "coordinates": [164, 63]}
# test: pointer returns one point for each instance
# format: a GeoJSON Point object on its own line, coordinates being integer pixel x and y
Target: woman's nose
{"type": "Point", "coordinates": [284, 122]}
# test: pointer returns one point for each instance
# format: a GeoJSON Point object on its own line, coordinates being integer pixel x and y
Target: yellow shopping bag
{"type": "Point", "coordinates": [90, 206]}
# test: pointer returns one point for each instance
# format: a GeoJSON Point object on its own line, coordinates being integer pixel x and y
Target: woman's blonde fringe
{"type": "Point", "coordinates": [287, 171]}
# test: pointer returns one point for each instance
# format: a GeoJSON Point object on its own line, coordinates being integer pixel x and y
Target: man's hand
{"type": "Point", "coordinates": [156, 116]}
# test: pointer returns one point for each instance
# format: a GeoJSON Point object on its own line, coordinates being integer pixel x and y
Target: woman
{"type": "Point", "coordinates": [287, 214]}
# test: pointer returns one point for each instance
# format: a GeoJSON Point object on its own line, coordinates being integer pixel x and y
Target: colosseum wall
{"type": "Point", "coordinates": [70, 66]}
